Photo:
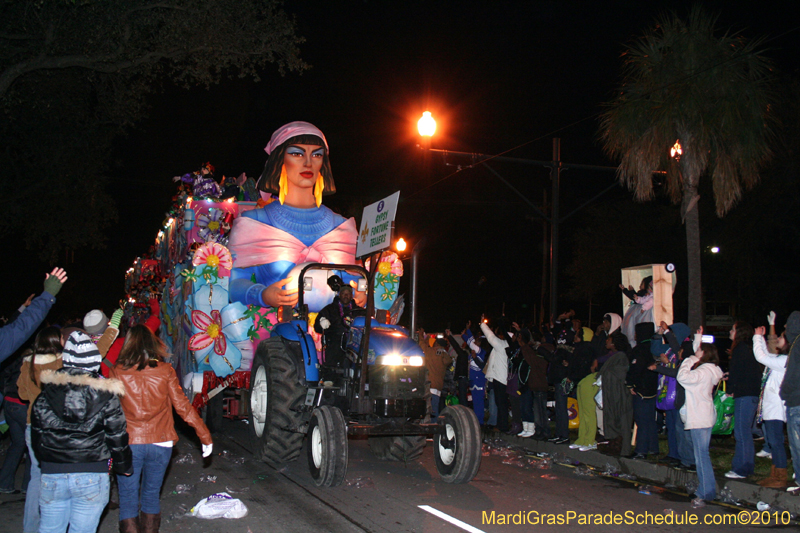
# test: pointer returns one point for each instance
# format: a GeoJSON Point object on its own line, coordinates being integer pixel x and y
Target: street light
{"type": "Point", "coordinates": [426, 125]}
{"type": "Point", "coordinates": [676, 151]}
{"type": "Point", "coordinates": [400, 245]}
{"type": "Point", "coordinates": [715, 249]}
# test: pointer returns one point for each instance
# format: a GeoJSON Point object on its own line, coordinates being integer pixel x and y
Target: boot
{"type": "Point", "coordinates": [528, 429]}
{"type": "Point", "coordinates": [129, 525]}
{"type": "Point", "coordinates": [778, 479]}
{"type": "Point", "coordinates": [515, 428]}
{"type": "Point", "coordinates": [150, 522]}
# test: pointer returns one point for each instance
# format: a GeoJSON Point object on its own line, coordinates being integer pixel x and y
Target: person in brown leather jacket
{"type": "Point", "coordinates": [152, 389]}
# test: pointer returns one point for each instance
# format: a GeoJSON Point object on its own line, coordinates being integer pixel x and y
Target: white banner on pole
{"type": "Point", "coordinates": [377, 220]}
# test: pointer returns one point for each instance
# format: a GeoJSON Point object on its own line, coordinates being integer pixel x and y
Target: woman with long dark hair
{"type": "Point", "coordinates": [699, 374]}
{"type": "Point", "coordinates": [744, 384]}
{"type": "Point", "coordinates": [45, 355]}
{"type": "Point", "coordinates": [152, 390]}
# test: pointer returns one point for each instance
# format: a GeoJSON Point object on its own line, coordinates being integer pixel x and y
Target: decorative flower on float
{"type": "Point", "coordinates": [210, 224]}
{"type": "Point", "coordinates": [212, 259]}
{"type": "Point", "coordinates": [213, 343]}
{"type": "Point", "coordinates": [390, 268]}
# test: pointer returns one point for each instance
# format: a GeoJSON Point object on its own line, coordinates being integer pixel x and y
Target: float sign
{"type": "Point", "coordinates": [377, 221]}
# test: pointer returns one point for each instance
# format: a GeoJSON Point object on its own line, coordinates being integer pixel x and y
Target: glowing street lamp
{"type": "Point", "coordinates": [426, 125]}
{"type": "Point", "coordinates": [715, 249]}
{"type": "Point", "coordinates": [676, 151]}
{"type": "Point", "coordinates": [400, 245]}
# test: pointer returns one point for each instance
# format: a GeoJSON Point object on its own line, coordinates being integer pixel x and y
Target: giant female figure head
{"type": "Point", "coordinates": [291, 151]}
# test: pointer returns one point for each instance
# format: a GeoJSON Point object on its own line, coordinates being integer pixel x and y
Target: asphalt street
{"type": "Point", "coordinates": [509, 493]}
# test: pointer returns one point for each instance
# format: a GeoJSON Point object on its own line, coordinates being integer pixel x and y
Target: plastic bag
{"type": "Point", "coordinates": [598, 398]}
{"type": "Point", "coordinates": [220, 505]}
{"type": "Point", "coordinates": [723, 404]}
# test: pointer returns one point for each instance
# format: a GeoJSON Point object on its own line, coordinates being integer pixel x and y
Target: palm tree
{"type": "Point", "coordinates": [709, 98]}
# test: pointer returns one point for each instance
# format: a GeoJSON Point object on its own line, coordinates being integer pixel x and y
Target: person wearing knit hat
{"type": "Point", "coordinates": [790, 393]}
{"type": "Point", "coordinates": [80, 352]}
{"type": "Point", "coordinates": [95, 322]}
{"type": "Point", "coordinates": [77, 425]}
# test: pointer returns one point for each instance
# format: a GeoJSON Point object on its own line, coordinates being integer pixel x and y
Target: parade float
{"type": "Point", "coordinates": [267, 364]}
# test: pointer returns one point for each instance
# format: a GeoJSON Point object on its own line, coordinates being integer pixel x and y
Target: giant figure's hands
{"type": "Point", "coordinates": [276, 295]}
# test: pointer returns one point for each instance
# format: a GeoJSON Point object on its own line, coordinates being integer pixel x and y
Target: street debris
{"type": "Point", "coordinates": [726, 496]}
{"type": "Point", "coordinates": [185, 459]}
{"type": "Point", "coordinates": [583, 470]}
{"type": "Point", "coordinates": [220, 505]}
{"type": "Point", "coordinates": [184, 488]}
{"type": "Point", "coordinates": [237, 491]}
{"type": "Point", "coordinates": [360, 483]}
{"type": "Point", "coordinates": [208, 479]}
{"type": "Point", "coordinates": [548, 476]}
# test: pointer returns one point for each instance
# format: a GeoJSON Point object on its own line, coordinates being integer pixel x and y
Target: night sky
{"type": "Point", "coordinates": [498, 76]}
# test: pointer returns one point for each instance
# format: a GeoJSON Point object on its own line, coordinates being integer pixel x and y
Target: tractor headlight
{"type": "Point", "coordinates": [390, 360]}
{"type": "Point", "coordinates": [394, 359]}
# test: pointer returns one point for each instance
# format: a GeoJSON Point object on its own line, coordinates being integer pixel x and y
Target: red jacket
{"type": "Point", "coordinates": [151, 323]}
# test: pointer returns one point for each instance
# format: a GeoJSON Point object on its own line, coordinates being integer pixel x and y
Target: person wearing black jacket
{"type": "Point", "coordinates": [644, 387]}
{"type": "Point", "coordinates": [744, 384]}
{"type": "Point", "coordinates": [461, 374]}
{"type": "Point", "coordinates": [77, 425]}
{"type": "Point", "coordinates": [334, 322]}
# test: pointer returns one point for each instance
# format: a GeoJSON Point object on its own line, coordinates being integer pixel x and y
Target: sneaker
{"type": "Point", "coordinates": [563, 440]}
{"type": "Point", "coordinates": [762, 453]}
{"type": "Point", "coordinates": [574, 446]}
{"type": "Point", "coordinates": [793, 489]}
{"type": "Point", "coordinates": [689, 468]}
{"type": "Point", "coordinates": [639, 456]}
{"type": "Point", "coordinates": [698, 503]}
{"type": "Point", "coordinates": [587, 448]}
{"type": "Point", "coordinates": [554, 440]}
{"type": "Point", "coordinates": [733, 475]}
{"type": "Point", "coordinates": [9, 491]}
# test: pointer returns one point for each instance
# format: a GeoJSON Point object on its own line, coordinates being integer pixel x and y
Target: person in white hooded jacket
{"type": "Point", "coordinates": [699, 374]}
{"type": "Point", "coordinates": [497, 373]}
{"type": "Point", "coordinates": [771, 408]}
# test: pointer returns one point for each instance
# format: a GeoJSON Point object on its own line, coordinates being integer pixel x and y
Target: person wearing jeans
{"type": "Point", "coordinates": [77, 426]}
{"type": "Point", "coordinates": [152, 390]}
{"type": "Point", "coordinates": [744, 412]}
{"type": "Point", "coordinates": [46, 355]}
{"type": "Point", "coordinates": [150, 462]}
{"type": "Point", "coordinates": [707, 483]}
{"type": "Point", "coordinates": [15, 417]}
{"type": "Point", "coordinates": [744, 384]}
{"type": "Point", "coordinates": [75, 499]}
{"type": "Point", "coordinates": [699, 374]}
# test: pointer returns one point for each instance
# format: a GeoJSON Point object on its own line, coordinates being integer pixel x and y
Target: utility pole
{"type": "Point", "coordinates": [555, 177]}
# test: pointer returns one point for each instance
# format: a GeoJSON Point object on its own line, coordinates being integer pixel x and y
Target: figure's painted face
{"type": "Point", "coordinates": [303, 163]}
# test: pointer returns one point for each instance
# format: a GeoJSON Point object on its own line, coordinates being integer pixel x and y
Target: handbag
{"type": "Point", "coordinates": [723, 404]}
{"type": "Point", "coordinates": [667, 390]}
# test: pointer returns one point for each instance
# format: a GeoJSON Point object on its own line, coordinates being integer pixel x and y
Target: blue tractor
{"type": "Point", "coordinates": [381, 392]}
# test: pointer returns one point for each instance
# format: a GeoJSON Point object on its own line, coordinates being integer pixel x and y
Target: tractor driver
{"type": "Point", "coordinates": [334, 321]}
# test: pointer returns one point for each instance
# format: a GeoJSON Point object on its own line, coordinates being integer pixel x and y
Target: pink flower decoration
{"type": "Point", "coordinates": [395, 262]}
{"type": "Point", "coordinates": [211, 331]}
{"type": "Point", "coordinates": [214, 254]}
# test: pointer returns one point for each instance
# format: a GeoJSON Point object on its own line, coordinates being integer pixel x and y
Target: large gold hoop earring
{"type": "Point", "coordinates": [318, 187]}
{"type": "Point", "coordinates": [283, 185]}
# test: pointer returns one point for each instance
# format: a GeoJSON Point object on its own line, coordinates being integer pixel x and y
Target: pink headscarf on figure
{"type": "Point", "coordinates": [293, 129]}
